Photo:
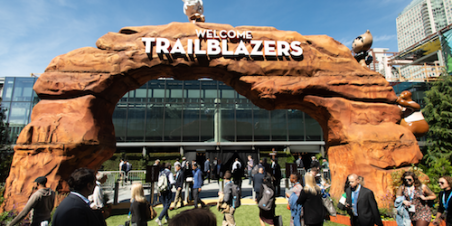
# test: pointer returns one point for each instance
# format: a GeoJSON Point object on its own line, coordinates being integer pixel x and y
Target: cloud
{"type": "Point", "coordinates": [347, 41]}
{"type": "Point", "coordinates": [384, 38]}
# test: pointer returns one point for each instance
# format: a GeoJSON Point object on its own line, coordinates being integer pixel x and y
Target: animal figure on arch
{"type": "Point", "coordinates": [360, 46]}
{"type": "Point", "coordinates": [194, 10]}
{"type": "Point", "coordinates": [412, 115]}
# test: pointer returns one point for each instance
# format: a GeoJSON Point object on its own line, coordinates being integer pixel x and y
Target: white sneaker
{"type": "Point", "coordinates": [158, 222]}
{"type": "Point", "coordinates": [165, 221]}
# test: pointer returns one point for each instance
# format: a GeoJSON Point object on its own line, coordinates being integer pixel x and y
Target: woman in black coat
{"type": "Point", "coordinates": [139, 207]}
{"type": "Point", "coordinates": [311, 200]}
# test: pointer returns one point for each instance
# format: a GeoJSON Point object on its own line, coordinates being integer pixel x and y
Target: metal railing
{"type": "Point", "coordinates": [113, 176]}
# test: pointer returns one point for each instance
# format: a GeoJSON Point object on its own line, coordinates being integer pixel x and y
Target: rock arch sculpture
{"type": "Point", "coordinates": [72, 125]}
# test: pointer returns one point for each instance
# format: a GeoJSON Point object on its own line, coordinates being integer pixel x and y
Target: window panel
{"type": "Point", "coordinates": [279, 125]}
{"type": "Point", "coordinates": [296, 125]}
{"type": "Point", "coordinates": [154, 122]}
{"type": "Point", "coordinates": [136, 122]}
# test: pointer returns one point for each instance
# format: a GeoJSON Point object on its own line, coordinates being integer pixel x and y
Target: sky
{"type": "Point", "coordinates": [33, 32]}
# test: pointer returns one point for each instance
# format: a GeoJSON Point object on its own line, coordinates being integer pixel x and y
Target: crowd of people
{"type": "Point", "coordinates": [306, 197]}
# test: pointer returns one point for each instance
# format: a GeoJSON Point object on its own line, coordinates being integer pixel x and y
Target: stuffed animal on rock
{"type": "Point", "coordinates": [412, 115]}
{"type": "Point", "coordinates": [360, 46]}
{"type": "Point", "coordinates": [194, 10]}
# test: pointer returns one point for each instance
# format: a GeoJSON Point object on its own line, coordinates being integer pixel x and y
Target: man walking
{"type": "Point", "coordinates": [74, 210]}
{"type": "Point", "coordinates": [257, 181]}
{"type": "Point", "coordinates": [250, 166]}
{"type": "Point", "coordinates": [179, 186]}
{"type": "Point", "coordinates": [165, 191]}
{"type": "Point", "coordinates": [40, 203]}
{"type": "Point", "coordinates": [228, 219]}
{"type": "Point", "coordinates": [361, 204]}
{"type": "Point", "coordinates": [197, 184]}
{"type": "Point", "coordinates": [276, 168]}
{"type": "Point", "coordinates": [237, 172]}
{"type": "Point", "coordinates": [207, 169]}
{"type": "Point", "coordinates": [300, 165]}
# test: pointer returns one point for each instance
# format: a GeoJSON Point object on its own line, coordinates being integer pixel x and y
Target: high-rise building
{"type": "Point", "coordinates": [420, 19]}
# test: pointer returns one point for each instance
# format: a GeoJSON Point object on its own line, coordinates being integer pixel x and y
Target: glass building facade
{"type": "Point", "coordinates": [172, 112]}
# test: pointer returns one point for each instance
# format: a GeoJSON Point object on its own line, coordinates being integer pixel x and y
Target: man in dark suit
{"type": "Point", "coordinates": [257, 180]}
{"type": "Point", "coordinates": [276, 169]}
{"type": "Point", "coordinates": [267, 168]}
{"type": "Point", "coordinates": [74, 210]}
{"type": "Point", "coordinates": [179, 185]}
{"type": "Point", "coordinates": [361, 204]}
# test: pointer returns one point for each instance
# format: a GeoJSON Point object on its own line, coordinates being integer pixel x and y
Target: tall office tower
{"type": "Point", "coordinates": [417, 21]}
{"type": "Point", "coordinates": [420, 19]}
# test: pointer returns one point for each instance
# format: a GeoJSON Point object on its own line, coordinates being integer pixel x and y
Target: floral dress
{"type": "Point", "coordinates": [422, 210]}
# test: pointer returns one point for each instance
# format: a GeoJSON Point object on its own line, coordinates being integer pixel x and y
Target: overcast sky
{"type": "Point", "coordinates": [33, 32]}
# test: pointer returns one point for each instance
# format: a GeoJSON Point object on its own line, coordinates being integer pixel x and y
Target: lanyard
{"type": "Point", "coordinates": [411, 193]}
{"type": "Point", "coordinates": [446, 204]}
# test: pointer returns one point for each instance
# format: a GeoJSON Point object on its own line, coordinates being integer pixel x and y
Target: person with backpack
{"type": "Point", "coordinates": [232, 194]}
{"type": "Point", "coordinates": [266, 202]}
{"type": "Point", "coordinates": [166, 179]}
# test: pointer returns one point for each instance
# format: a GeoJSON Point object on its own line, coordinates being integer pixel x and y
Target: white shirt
{"type": "Point", "coordinates": [236, 165]}
{"type": "Point", "coordinates": [97, 198]}
{"type": "Point", "coordinates": [120, 165]}
{"type": "Point", "coordinates": [129, 166]}
{"type": "Point", "coordinates": [81, 196]}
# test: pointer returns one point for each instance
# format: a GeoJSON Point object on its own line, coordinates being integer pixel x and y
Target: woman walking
{"type": "Point", "coordinates": [311, 200]}
{"type": "Point", "coordinates": [416, 196]}
{"type": "Point", "coordinates": [140, 207]}
{"type": "Point", "coordinates": [267, 197]}
{"type": "Point", "coordinates": [445, 196]}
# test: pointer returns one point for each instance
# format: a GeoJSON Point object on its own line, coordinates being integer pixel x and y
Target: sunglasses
{"type": "Point", "coordinates": [409, 180]}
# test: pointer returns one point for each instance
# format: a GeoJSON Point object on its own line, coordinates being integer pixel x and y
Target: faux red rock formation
{"type": "Point", "coordinates": [71, 127]}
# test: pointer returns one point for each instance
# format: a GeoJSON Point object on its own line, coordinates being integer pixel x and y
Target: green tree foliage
{"type": "Point", "coordinates": [438, 114]}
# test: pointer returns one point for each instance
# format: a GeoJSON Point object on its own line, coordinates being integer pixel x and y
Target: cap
{"type": "Point", "coordinates": [41, 180]}
{"type": "Point", "coordinates": [227, 175]}
{"type": "Point", "coordinates": [183, 158]}
{"type": "Point", "coordinates": [157, 160]}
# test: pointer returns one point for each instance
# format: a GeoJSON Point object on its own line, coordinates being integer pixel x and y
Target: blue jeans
{"type": "Point", "coordinates": [250, 176]}
{"type": "Point", "coordinates": [165, 199]}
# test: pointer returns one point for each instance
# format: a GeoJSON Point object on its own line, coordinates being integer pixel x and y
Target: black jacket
{"type": "Point", "coordinates": [73, 211]}
{"type": "Point", "coordinates": [180, 179]}
{"type": "Point", "coordinates": [277, 171]}
{"type": "Point", "coordinates": [314, 211]}
{"type": "Point", "coordinates": [367, 208]}
{"type": "Point", "coordinates": [139, 211]}
{"type": "Point", "coordinates": [257, 181]}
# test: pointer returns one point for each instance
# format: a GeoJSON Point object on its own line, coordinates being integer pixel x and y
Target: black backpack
{"type": "Point", "coordinates": [236, 195]}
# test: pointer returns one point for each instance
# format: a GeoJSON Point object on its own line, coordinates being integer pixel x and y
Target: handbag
{"type": "Point", "coordinates": [151, 214]}
{"type": "Point", "coordinates": [328, 204]}
{"type": "Point", "coordinates": [278, 221]}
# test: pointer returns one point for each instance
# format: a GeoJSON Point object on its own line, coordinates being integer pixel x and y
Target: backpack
{"type": "Point", "coordinates": [255, 170]}
{"type": "Point", "coordinates": [266, 202]}
{"type": "Point", "coordinates": [124, 167]}
{"type": "Point", "coordinates": [236, 194]}
{"type": "Point", "coordinates": [162, 183]}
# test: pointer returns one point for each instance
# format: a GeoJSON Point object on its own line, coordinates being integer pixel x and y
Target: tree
{"type": "Point", "coordinates": [438, 114]}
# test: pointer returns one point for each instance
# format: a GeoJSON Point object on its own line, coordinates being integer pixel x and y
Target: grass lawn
{"type": "Point", "coordinates": [244, 215]}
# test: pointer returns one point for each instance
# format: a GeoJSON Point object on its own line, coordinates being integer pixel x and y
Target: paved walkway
{"type": "Point", "coordinates": [209, 194]}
